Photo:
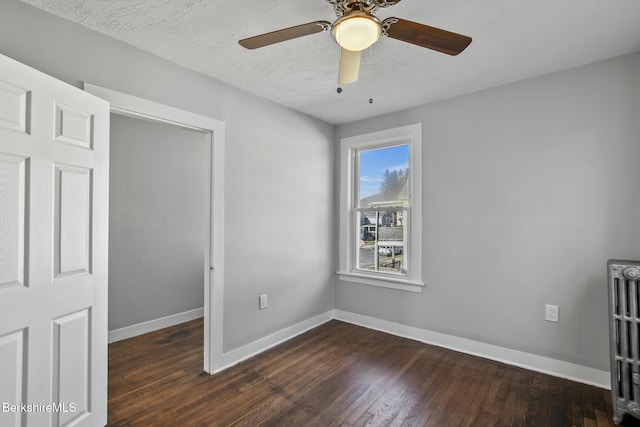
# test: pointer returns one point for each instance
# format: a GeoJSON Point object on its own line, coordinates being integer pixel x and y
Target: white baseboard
{"type": "Point", "coordinates": [249, 350]}
{"type": "Point", "coordinates": [557, 368]}
{"type": "Point", "coordinates": [154, 325]}
{"type": "Point", "coordinates": [532, 362]}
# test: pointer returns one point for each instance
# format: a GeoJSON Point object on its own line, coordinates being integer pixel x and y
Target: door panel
{"type": "Point", "coordinates": [72, 220]}
{"type": "Point", "coordinates": [53, 250]}
{"type": "Point", "coordinates": [71, 374]}
{"type": "Point", "coordinates": [74, 126]}
{"type": "Point", "coordinates": [14, 107]}
{"type": "Point", "coordinates": [12, 226]}
{"type": "Point", "coordinates": [12, 376]}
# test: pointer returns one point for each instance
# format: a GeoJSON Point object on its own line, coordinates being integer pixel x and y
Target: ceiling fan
{"type": "Point", "coordinates": [357, 28]}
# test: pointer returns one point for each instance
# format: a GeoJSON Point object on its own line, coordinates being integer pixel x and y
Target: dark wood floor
{"type": "Point", "coordinates": [337, 375]}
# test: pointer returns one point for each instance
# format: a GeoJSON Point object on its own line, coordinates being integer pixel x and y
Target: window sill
{"type": "Point", "coordinates": [384, 282]}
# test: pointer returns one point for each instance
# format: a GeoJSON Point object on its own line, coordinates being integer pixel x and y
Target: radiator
{"type": "Point", "coordinates": [624, 332]}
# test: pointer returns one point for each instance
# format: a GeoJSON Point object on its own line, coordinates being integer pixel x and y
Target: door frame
{"type": "Point", "coordinates": [133, 106]}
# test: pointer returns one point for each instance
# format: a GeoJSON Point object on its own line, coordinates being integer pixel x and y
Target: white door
{"type": "Point", "coordinates": [54, 156]}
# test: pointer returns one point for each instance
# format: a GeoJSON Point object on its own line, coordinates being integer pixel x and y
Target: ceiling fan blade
{"type": "Point", "coordinates": [285, 34]}
{"type": "Point", "coordinates": [425, 36]}
{"type": "Point", "coordinates": [349, 66]}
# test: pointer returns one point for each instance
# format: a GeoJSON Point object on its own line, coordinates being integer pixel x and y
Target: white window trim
{"type": "Point", "coordinates": [412, 136]}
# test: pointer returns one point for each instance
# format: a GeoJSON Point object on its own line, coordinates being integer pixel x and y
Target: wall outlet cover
{"type": "Point", "coordinates": [552, 313]}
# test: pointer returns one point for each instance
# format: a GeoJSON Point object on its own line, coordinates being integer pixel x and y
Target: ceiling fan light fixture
{"type": "Point", "coordinates": [357, 31]}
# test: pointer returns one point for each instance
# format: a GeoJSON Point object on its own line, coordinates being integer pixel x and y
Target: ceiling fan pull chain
{"type": "Point", "coordinates": [371, 74]}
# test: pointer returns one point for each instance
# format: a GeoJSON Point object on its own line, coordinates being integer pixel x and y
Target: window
{"type": "Point", "coordinates": [381, 208]}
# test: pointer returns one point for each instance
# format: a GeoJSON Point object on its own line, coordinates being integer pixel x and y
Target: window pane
{"type": "Point", "coordinates": [383, 177]}
{"type": "Point", "coordinates": [392, 239]}
{"type": "Point", "coordinates": [366, 258]}
{"type": "Point", "coordinates": [383, 241]}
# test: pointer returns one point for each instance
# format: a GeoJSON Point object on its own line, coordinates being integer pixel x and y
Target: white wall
{"type": "Point", "coordinates": [157, 230]}
{"type": "Point", "coordinates": [528, 189]}
{"type": "Point", "coordinates": [279, 167]}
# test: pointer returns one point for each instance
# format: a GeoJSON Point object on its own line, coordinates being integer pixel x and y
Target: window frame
{"type": "Point", "coordinates": [411, 136]}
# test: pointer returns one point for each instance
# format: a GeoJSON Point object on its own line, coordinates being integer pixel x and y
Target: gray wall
{"type": "Point", "coordinates": [157, 229]}
{"type": "Point", "coordinates": [279, 167]}
{"type": "Point", "coordinates": [528, 189]}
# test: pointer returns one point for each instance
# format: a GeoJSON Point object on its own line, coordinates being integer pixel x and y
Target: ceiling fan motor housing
{"type": "Point", "coordinates": [344, 7]}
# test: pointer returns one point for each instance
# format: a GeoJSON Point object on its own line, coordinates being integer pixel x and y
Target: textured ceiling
{"type": "Point", "coordinates": [512, 40]}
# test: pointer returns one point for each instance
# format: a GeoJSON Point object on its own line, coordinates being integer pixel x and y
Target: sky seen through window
{"type": "Point", "coordinates": [373, 164]}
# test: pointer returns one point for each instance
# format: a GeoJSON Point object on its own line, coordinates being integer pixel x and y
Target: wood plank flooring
{"type": "Point", "coordinates": [337, 375]}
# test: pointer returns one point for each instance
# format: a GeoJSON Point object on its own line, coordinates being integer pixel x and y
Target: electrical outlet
{"type": "Point", "coordinates": [553, 313]}
{"type": "Point", "coordinates": [263, 302]}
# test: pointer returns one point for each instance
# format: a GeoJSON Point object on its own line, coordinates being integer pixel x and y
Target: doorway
{"type": "Point", "coordinates": [158, 120]}
{"type": "Point", "coordinates": [157, 233]}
